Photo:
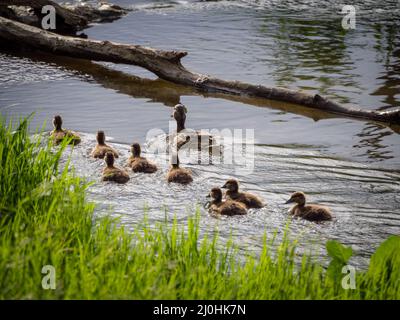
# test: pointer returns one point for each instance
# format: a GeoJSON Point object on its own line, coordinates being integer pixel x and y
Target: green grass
{"type": "Point", "coordinates": [45, 219]}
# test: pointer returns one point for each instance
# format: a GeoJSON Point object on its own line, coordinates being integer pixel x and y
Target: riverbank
{"type": "Point", "coordinates": [46, 220]}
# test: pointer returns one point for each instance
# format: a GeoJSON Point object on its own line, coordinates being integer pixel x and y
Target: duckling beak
{"type": "Point", "coordinates": [208, 196]}
{"type": "Point", "coordinates": [224, 186]}
{"type": "Point", "coordinates": [289, 201]}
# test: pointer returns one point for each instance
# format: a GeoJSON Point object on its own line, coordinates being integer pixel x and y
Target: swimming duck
{"type": "Point", "coordinates": [312, 212]}
{"type": "Point", "coordinates": [138, 163]}
{"type": "Point", "coordinates": [112, 173]}
{"type": "Point", "coordinates": [100, 150]}
{"type": "Point", "coordinates": [58, 134]}
{"type": "Point", "coordinates": [199, 140]}
{"type": "Point", "coordinates": [177, 174]}
{"type": "Point", "coordinates": [227, 207]}
{"type": "Point", "coordinates": [248, 199]}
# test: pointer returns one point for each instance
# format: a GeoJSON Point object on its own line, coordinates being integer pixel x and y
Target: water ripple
{"type": "Point", "coordinates": [366, 208]}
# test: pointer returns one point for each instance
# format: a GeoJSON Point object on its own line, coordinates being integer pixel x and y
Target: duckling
{"type": "Point", "coordinates": [311, 212]}
{"type": "Point", "coordinates": [177, 174]}
{"type": "Point", "coordinates": [111, 173]}
{"type": "Point", "coordinates": [58, 134]}
{"type": "Point", "coordinates": [227, 207]}
{"type": "Point", "coordinates": [138, 163]}
{"type": "Point", "coordinates": [100, 150]}
{"type": "Point", "coordinates": [248, 199]}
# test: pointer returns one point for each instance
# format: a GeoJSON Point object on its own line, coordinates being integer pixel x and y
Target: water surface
{"type": "Point", "coordinates": [353, 166]}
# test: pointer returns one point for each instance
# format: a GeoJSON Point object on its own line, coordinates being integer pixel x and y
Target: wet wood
{"type": "Point", "coordinates": [70, 18]}
{"type": "Point", "coordinates": [100, 12]}
{"type": "Point", "coordinates": [167, 65]}
{"type": "Point", "coordinates": [65, 17]}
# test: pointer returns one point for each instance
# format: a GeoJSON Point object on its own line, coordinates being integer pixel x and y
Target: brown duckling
{"type": "Point", "coordinates": [112, 173]}
{"type": "Point", "coordinates": [248, 199]}
{"type": "Point", "coordinates": [227, 207]}
{"type": "Point", "coordinates": [138, 163]}
{"type": "Point", "coordinates": [59, 134]}
{"type": "Point", "coordinates": [311, 212]}
{"type": "Point", "coordinates": [177, 174]}
{"type": "Point", "coordinates": [100, 150]}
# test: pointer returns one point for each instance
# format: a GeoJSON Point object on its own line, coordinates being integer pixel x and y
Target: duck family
{"type": "Point", "coordinates": [235, 202]}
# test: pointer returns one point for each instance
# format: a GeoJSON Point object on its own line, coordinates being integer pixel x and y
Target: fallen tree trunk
{"type": "Point", "coordinates": [67, 18]}
{"type": "Point", "coordinates": [167, 65]}
{"type": "Point", "coordinates": [70, 18]}
{"type": "Point", "coordinates": [102, 12]}
{"type": "Point", "coordinates": [161, 91]}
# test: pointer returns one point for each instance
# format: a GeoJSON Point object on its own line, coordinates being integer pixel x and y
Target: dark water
{"type": "Point", "coordinates": [352, 166]}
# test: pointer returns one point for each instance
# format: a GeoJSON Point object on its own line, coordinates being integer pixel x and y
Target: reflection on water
{"type": "Point", "coordinates": [371, 139]}
{"type": "Point", "coordinates": [390, 88]}
{"type": "Point", "coordinates": [347, 164]}
{"type": "Point", "coordinates": [322, 56]}
{"type": "Point", "coordinates": [313, 58]}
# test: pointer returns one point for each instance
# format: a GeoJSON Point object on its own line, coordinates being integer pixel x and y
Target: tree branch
{"type": "Point", "coordinates": [167, 65]}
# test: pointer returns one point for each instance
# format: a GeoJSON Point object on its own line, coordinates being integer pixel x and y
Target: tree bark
{"type": "Point", "coordinates": [167, 65]}
{"type": "Point", "coordinates": [67, 17]}
{"type": "Point", "coordinates": [100, 12]}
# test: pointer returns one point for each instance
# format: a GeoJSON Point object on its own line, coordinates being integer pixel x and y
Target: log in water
{"type": "Point", "coordinates": [167, 65]}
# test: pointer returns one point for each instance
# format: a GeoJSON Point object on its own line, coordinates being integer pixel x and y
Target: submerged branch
{"type": "Point", "coordinates": [69, 18]}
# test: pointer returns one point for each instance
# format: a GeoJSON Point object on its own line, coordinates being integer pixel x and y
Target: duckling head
{"type": "Point", "coordinates": [100, 137]}
{"type": "Point", "coordinates": [109, 159]}
{"type": "Point", "coordinates": [180, 116]}
{"type": "Point", "coordinates": [135, 149]}
{"type": "Point", "coordinates": [231, 185]}
{"type": "Point", "coordinates": [57, 122]}
{"type": "Point", "coordinates": [216, 194]}
{"type": "Point", "coordinates": [298, 197]}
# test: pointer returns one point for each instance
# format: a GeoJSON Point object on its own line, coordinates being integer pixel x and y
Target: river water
{"type": "Point", "coordinates": [350, 165]}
